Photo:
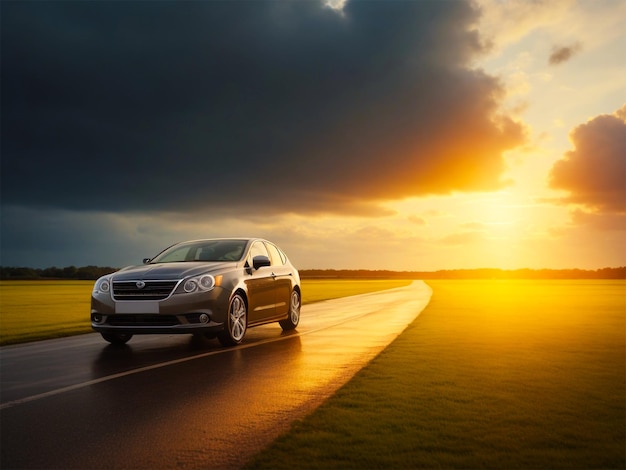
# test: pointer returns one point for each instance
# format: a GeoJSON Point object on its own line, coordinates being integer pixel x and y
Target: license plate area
{"type": "Point", "coordinates": [136, 307]}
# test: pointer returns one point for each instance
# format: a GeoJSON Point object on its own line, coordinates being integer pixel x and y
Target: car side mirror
{"type": "Point", "coordinates": [260, 261]}
{"type": "Point", "coordinates": [146, 260]}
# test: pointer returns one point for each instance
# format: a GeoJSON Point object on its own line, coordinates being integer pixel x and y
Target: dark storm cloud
{"type": "Point", "coordinates": [562, 54]}
{"type": "Point", "coordinates": [594, 172]}
{"type": "Point", "coordinates": [42, 238]}
{"type": "Point", "coordinates": [284, 106]}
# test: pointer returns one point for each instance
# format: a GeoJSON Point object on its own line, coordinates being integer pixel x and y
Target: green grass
{"type": "Point", "coordinates": [492, 374]}
{"type": "Point", "coordinates": [35, 310]}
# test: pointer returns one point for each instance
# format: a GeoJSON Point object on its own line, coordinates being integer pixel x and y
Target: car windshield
{"type": "Point", "coordinates": [206, 250]}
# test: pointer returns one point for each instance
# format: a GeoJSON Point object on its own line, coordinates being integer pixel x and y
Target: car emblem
{"type": "Point", "coordinates": [140, 284]}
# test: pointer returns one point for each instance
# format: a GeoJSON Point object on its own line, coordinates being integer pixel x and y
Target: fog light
{"type": "Point", "coordinates": [97, 318]}
{"type": "Point", "coordinates": [204, 318]}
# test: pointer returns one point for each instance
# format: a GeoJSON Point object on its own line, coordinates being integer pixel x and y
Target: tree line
{"type": "Point", "coordinates": [486, 273]}
{"type": "Point", "coordinates": [94, 272]}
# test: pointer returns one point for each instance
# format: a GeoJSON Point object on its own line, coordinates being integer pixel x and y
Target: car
{"type": "Point", "coordinates": [208, 288]}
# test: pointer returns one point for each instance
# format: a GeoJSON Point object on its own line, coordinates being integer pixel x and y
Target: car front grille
{"type": "Point", "coordinates": [136, 290]}
{"type": "Point", "coordinates": [142, 320]}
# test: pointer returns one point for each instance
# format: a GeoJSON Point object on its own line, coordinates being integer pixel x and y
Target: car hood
{"type": "Point", "coordinates": [170, 271]}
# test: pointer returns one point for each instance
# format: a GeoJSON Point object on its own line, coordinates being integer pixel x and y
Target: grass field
{"type": "Point", "coordinates": [35, 310]}
{"type": "Point", "coordinates": [492, 374]}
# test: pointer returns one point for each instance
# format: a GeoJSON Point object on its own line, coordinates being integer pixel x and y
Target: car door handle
{"type": "Point", "coordinates": [277, 275]}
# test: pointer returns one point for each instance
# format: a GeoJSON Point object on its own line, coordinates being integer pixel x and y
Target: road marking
{"type": "Point", "coordinates": [107, 378]}
{"type": "Point", "coordinates": [69, 388]}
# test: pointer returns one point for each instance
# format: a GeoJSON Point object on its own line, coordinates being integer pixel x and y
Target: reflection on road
{"type": "Point", "coordinates": [345, 332]}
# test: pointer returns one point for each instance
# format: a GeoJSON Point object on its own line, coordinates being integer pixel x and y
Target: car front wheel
{"type": "Point", "coordinates": [236, 322]}
{"type": "Point", "coordinates": [294, 313]}
{"type": "Point", "coordinates": [117, 338]}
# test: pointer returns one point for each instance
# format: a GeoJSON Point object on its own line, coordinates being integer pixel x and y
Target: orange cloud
{"type": "Point", "coordinates": [599, 221]}
{"type": "Point", "coordinates": [594, 172]}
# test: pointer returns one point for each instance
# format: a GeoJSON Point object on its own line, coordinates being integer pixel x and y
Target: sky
{"type": "Point", "coordinates": [407, 135]}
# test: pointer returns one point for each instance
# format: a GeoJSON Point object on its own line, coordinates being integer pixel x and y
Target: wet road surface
{"type": "Point", "coordinates": [173, 402]}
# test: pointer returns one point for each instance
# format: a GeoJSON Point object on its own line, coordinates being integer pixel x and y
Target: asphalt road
{"type": "Point", "coordinates": [172, 402]}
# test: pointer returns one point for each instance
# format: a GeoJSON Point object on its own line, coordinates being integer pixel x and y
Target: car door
{"type": "Point", "coordinates": [283, 279]}
{"type": "Point", "coordinates": [260, 285]}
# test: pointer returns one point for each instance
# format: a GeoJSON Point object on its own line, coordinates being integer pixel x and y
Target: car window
{"type": "Point", "coordinates": [175, 255]}
{"type": "Point", "coordinates": [258, 249]}
{"type": "Point", "coordinates": [220, 251]}
{"type": "Point", "coordinates": [277, 259]}
{"type": "Point", "coordinates": [212, 250]}
{"type": "Point", "coordinates": [283, 256]}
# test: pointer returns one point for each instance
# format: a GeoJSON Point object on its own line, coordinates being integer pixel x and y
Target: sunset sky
{"type": "Point", "coordinates": [403, 135]}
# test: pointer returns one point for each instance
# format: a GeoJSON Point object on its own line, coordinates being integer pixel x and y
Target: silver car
{"type": "Point", "coordinates": [217, 287]}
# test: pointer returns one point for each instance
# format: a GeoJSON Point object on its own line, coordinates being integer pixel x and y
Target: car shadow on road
{"type": "Point", "coordinates": [115, 359]}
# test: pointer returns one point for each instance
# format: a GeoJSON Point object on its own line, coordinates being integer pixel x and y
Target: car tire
{"type": "Point", "coordinates": [117, 338]}
{"type": "Point", "coordinates": [236, 322]}
{"type": "Point", "coordinates": [294, 313]}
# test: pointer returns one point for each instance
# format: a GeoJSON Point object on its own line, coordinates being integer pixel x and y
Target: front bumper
{"type": "Point", "coordinates": [201, 312]}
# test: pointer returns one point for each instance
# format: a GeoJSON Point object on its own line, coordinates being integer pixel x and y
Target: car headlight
{"type": "Point", "coordinates": [203, 283]}
{"type": "Point", "coordinates": [102, 285]}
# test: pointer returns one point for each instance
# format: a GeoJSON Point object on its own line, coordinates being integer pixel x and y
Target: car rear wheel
{"type": "Point", "coordinates": [117, 338]}
{"type": "Point", "coordinates": [236, 322]}
{"type": "Point", "coordinates": [294, 313]}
